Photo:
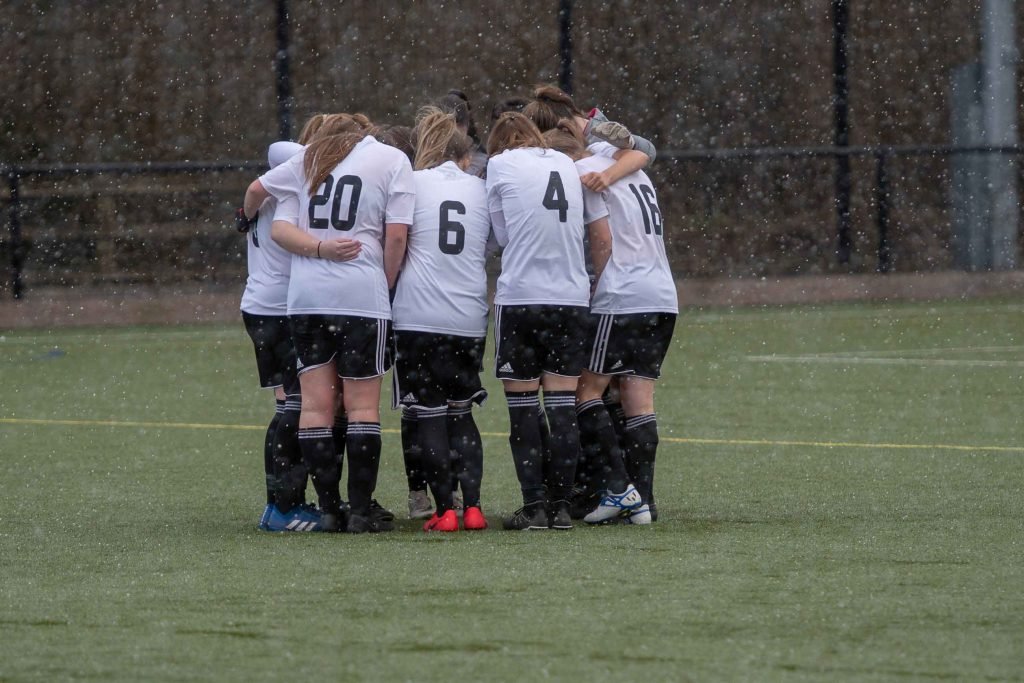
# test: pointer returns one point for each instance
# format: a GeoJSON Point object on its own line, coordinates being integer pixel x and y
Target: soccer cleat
{"type": "Point", "coordinates": [420, 505]}
{"type": "Point", "coordinates": [582, 501]}
{"type": "Point", "coordinates": [361, 524]}
{"type": "Point", "coordinates": [299, 518]}
{"type": "Point", "coordinates": [641, 515]}
{"type": "Point", "coordinates": [558, 515]}
{"type": "Point", "coordinates": [473, 519]}
{"type": "Point", "coordinates": [614, 504]}
{"type": "Point", "coordinates": [527, 518]}
{"type": "Point", "coordinates": [449, 521]}
{"type": "Point", "coordinates": [335, 521]}
{"type": "Point", "coordinates": [381, 514]}
{"type": "Point", "coordinates": [266, 516]}
{"type": "Point", "coordinates": [457, 502]}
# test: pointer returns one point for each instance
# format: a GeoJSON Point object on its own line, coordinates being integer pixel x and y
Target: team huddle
{"type": "Point", "coordinates": [368, 248]}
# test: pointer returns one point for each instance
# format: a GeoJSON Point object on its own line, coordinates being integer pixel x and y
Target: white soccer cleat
{"type": "Point", "coordinates": [614, 504]}
{"type": "Point", "coordinates": [420, 505]}
{"type": "Point", "coordinates": [640, 515]}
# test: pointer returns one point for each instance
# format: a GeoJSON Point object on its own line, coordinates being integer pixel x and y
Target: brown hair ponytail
{"type": "Point", "coordinates": [566, 138]}
{"type": "Point", "coordinates": [549, 106]}
{"type": "Point", "coordinates": [335, 139]}
{"type": "Point", "coordinates": [437, 139]}
{"type": "Point", "coordinates": [512, 131]}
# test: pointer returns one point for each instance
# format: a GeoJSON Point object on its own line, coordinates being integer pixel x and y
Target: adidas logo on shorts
{"type": "Point", "coordinates": [618, 364]}
{"type": "Point", "coordinates": [507, 367]}
{"type": "Point", "coordinates": [298, 364]}
{"type": "Point", "coordinates": [409, 397]}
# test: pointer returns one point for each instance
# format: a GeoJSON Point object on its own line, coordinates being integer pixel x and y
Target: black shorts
{"type": "Point", "coordinates": [358, 346]}
{"type": "Point", "coordinates": [532, 340]}
{"type": "Point", "coordinates": [631, 343]}
{"type": "Point", "coordinates": [275, 353]}
{"type": "Point", "coordinates": [433, 369]}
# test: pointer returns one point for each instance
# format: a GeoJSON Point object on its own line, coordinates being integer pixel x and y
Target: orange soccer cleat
{"type": "Point", "coordinates": [473, 519]}
{"type": "Point", "coordinates": [446, 522]}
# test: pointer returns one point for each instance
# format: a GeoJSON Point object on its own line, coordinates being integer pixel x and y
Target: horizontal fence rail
{"type": "Point", "coordinates": [882, 155]}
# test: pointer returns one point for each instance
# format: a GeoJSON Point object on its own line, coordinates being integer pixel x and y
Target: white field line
{"type": "Point", "coordinates": [743, 314]}
{"type": "Point", "coordinates": [862, 360]}
{"type": "Point", "coordinates": [113, 336]}
{"type": "Point", "coordinates": [931, 351]}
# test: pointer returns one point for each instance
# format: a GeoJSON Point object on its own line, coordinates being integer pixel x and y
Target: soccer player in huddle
{"type": "Point", "coordinates": [634, 299]}
{"type": "Point", "coordinates": [541, 308]}
{"type": "Point", "coordinates": [344, 208]}
{"type": "Point", "coordinates": [440, 316]}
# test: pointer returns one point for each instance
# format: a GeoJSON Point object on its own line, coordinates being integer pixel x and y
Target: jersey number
{"type": "Point", "coordinates": [554, 197]}
{"type": "Point", "coordinates": [451, 235]}
{"type": "Point", "coordinates": [648, 207]}
{"type": "Point", "coordinates": [322, 198]}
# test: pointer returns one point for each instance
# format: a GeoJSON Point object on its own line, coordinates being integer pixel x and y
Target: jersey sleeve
{"type": "Point", "coordinates": [601, 148]}
{"type": "Point", "coordinates": [594, 206]}
{"type": "Point", "coordinates": [401, 194]}
{"type": "Point", "coordinates": [494, 206]}
{"type": "Point", "coordinates": [288, 209]}
{"type": "Point", "coordinates": [282, 181]}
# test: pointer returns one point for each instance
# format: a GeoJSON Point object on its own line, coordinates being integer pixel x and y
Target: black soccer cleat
{"type": "Point", "coordinates": [527, 518]}
{"type": "Point", "coordinates": [367, 524]}
{"type": "Point", "coordinates": [558, 515]}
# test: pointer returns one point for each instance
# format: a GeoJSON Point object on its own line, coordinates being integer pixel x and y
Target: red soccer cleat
{"type": "Point", "coordinates": [473, 519]}
{"type": "Point", "coordinates": [446, 522]}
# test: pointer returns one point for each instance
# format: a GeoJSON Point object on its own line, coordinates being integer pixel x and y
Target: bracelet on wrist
{"type": "Point", "coordinates": [318, 248]}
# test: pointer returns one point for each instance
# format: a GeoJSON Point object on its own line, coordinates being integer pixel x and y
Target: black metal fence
{"type": "Point", "coordinates": [91, 224]}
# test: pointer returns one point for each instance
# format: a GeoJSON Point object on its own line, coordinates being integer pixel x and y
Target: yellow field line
{"type": "Point", "coordinates": [668, 439]}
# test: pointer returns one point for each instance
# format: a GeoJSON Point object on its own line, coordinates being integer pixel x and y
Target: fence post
{"type": "Point", "coordinates": [284, 83]}
{"type": "Point", "coordinates": [565, 45]}
{"type": "Point", "coordinates": [882, 206]}
{"type": "Point", "coordinates": [841, 109]}
{"type": "Point", "coordinates": [14, 218]}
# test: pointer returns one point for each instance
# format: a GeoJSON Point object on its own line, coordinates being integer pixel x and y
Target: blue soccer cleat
{"type": "Point", "coordinates": [299, 518]}
{"type": "Point", "coordinates": [266, 516]}
{"type": "Point", "coordinates": [613, 505]}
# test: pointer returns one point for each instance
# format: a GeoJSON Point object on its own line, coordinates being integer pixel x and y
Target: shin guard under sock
{"type": "Point", "coordinates": [317, 446]}
{"type": "Point", "coordinates": [560, 407]}
{"type": "Point", "coordinates": [290, 471]}
{"type": "Point", "coordinates": [641, 439]}
{"type": "Point", "coordinates": [436, 454]}
{"type": "Point", "coordinates": [363, 446]}
{"type": "Point", "coordinates": [464, 439]}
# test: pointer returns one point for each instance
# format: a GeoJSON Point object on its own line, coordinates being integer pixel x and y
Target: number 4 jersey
{"type": "Point", "coordinates": [372, 186]}
{"type": "Point", "coordinates": [637, 278]}
{"type": "Point", "coordinates": [443, 285]}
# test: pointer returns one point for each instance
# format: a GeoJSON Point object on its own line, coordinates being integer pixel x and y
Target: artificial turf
{"type": "Point", "coordinates": [841, 492]}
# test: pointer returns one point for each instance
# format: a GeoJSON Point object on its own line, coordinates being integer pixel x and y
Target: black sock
{"type": "Point", "coordinates": [597, 437]}
{"type": "Point", "coordinates": [560, 407]}
{"type": "Point", "coordinates": [363, 461]}
{"type": "Point", "coordinates": [590, 452]}
{"type": "Point", "coordinates": [641, 448]}
{"type": "Point", "coordinates": [524, 439]}
{"type": "Point", "coordinates": [618, 416]}
{"type": "Point", "coordinates": [290, 471]}
{"type": "Point", "coordinates": [268, 453]}
{"type": "Point", "coordinates": [411, 453]}
{"type": "Point", "coordinates": [317, 446]}
{"type": "Point", "coordinates": [545, 445]}
{"type": "Point", "coordinates": [436, 453]}
{"type": "Point", "coordinates": [464, 439]}
{"type": "Point", "coordinates": [340, 433]}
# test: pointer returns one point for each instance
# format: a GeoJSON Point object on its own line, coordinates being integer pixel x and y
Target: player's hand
{"type": "Point", "coordinates": [340, 249]}
{"type": "Point", "coordinates": [243, 224]}
{"type": "Point", "coordinates": [595, 182]}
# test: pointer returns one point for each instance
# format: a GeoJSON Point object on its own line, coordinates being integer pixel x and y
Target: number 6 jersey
{"type": "Point", "coordinates": [637, 278]}
{"type": "Point", "coordinates": [372, 186]}
{"type": "Point", "coordinates": [443, 285]}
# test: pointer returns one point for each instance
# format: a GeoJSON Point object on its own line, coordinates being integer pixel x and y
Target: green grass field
{"type": "Point", "coordinates": [841, 493]}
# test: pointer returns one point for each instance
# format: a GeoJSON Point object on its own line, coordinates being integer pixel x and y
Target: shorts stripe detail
{"type": "Point", "coordinates": [588, 405]}
{"type": "Point", "coordinates": [315, 433]}
{"type": "Point", "coordinates": [370, 428]}
{"type": "Point", "coordinates": [497, 336]}
{"type": "Point", "coordinates": [638, 420]}
{"type": "Point", "coordinates": [382, 345]}
{"type": "Point", "coordinates": [604, 328]}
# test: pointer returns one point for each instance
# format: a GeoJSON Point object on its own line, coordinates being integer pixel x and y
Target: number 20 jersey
{"type": "Point", "coordinates": [443, 286]}
{"type": "Point", "coordinates": [637, 278]}
{"type": "Point", "coordinates": [372, 186]}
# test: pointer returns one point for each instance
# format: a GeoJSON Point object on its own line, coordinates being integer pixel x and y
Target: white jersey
{"type": "Point", "coordinates": [269, 265]}
{"type": "Point", "coordinates": [372, 186]}
{"type": "Point", "coordinates": [536, 202]}
{"type": "Point", "coordinates": [443, 287]}
{"type": "Point", "coordinates": [637, 278]}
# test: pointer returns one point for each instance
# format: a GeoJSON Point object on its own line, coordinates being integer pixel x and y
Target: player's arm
{"type": "Point", "coordinates": [254, 198]}
{"type": "Point", "coordinates": [396, 235]}
{"type": "Point", "coordinates": [600, 234]}
{"type": "Point", "coordinates": [296, 240]}
{"type": "Point", "coordinates": [626, 161]}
